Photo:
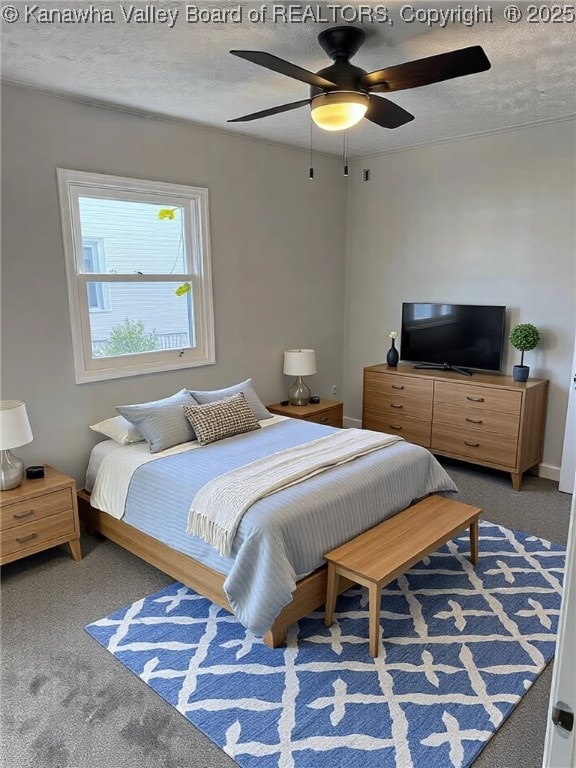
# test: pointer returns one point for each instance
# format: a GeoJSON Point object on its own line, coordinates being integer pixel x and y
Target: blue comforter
{"type": "Point", "coordinates": [284, 536]}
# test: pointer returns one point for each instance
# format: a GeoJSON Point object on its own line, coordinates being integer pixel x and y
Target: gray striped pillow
{"type": "Point", "coordinates": [162, 422]}
{"type": "Point", "coordinates": [246, 387]}
{"type": "Point", "coordinates": [224, 418]}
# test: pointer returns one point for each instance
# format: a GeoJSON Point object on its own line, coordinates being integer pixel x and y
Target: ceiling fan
{"type": "Point", "coordinates": [342, 94]}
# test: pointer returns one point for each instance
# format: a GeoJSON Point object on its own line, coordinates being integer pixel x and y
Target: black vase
{"type": "Point", "coordinates": [392, 355]}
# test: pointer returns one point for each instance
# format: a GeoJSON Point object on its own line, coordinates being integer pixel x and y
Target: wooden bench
{"type": "Point", "coordinates": [379, 555]}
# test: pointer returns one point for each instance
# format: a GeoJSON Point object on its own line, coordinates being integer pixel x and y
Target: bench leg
{"type": "Point", "coordinates": [474, 541]}
{"type": "Point", "coordinates": [331, 591]}
{"type": "Point", "coordinates": [374, 624]}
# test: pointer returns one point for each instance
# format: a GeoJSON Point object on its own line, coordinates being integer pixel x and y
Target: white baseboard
{"type": "Point", "coordinates": [547, 471]}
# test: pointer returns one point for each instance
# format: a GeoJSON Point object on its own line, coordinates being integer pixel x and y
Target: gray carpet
{"type": "Point", "coordinates": [66, 703]}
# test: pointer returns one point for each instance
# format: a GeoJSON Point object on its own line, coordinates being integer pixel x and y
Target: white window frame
{"type": "Point", "coordinates": [194, 202]}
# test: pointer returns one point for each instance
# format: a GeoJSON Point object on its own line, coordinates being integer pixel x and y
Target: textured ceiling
{"type": "Point", "coordinates": [184, 69]}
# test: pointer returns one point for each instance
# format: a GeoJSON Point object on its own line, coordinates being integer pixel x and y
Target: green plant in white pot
{"type": "Point", "coordinates": [523, 337]}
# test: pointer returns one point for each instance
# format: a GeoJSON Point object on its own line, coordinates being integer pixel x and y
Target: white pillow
{"type": "Point", "coordinates": [119, 429]}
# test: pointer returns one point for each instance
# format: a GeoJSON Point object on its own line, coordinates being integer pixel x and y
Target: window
{"type": "Point", "coordinates": [139, 277]}
{"type": "Point", "coordinates": [98, 293]}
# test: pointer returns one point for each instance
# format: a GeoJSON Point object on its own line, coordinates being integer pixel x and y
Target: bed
{"type": "Point", "coordinates": [276, 573]}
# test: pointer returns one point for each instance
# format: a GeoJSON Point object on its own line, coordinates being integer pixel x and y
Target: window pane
{"type": "Point", "coordinates": [133, 237]}
{"type": "Point", "coordinates": [142, 317]}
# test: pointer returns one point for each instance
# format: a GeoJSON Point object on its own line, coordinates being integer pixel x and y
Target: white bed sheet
{"type": "Point", "coordinates": [108, 495]}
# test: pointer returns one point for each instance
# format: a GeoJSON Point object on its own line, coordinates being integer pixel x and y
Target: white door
{"type": "Point", "coordinates": [560, 745]}
{"type": "Point", "coordinates": [568, 468]}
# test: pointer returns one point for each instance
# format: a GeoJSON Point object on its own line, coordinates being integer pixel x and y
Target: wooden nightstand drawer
{"type": "Point", "coordinates": [328, 412]}
{"type": "Point", "coordinates": [36, 508]}
{"type": "Point", "coordinates": [37, 535]}
{"type": "Point", "coordinates": [331, 417]}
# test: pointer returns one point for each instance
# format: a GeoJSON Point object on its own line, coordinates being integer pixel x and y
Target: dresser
{"type": "Point", "coordinates": [329, 412]}
{"type": "Point", "coordinates": [485, 419]}
{"type": "Point", "coordinates": [39, 514]}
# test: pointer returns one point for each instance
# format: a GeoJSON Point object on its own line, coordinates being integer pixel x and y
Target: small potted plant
{"type": "Point", "coordinates": [523, 337]}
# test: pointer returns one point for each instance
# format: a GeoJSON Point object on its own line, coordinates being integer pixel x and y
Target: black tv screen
{"type": "Point", "coordinates": [464, 336]}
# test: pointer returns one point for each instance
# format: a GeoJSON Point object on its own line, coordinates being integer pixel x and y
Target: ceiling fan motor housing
{"type": "Point", "coordinates": [343, 74]}
{"type": "Point", "coordinates": [341, 42]}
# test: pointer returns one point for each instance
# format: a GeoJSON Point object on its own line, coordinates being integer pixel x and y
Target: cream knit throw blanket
{"type": "Point", "coordinates": [218, 506]}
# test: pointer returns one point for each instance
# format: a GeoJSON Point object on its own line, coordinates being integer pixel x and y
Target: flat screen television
{"type": "Point", "coordinates": [460, 337]}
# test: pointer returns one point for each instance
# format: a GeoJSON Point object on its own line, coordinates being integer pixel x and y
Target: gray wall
{"type": "Point", "coordinates": [484, 220]}
{"type": "Point", "coordinates": [488, 220]}
{"type": "Point", "coordinates": [278, 250]}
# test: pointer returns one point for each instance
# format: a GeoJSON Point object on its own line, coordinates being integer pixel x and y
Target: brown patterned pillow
{"type": "Point", "coordinates": [224, 418]}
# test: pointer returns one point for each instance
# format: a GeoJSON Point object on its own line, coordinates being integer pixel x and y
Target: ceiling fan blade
{"type": "Point", "coordinates": [271, 111]}
{"type": "Point", "coordinates": [434, 69]}
{"type": "Point", "coordinates": [386, 114]}
{"type": "Point", "coordinates": [285, 68]}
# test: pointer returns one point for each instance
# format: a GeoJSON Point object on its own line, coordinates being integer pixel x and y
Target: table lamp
{"type": "Point", "coordinates": [299, 362]}
{"type": "Point", "coordinates": [14, 431]}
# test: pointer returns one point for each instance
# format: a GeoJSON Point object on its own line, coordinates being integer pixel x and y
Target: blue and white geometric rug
{"type": "Point", "coordinates": [461, 646]}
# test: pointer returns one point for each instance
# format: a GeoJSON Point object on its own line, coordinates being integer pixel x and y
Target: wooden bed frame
{"type": "Point", "coordinates": [310, 592]}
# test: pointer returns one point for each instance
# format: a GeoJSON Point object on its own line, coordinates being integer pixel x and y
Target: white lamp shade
{"type": "Point", "coordinates": [14, 425]}
{"type": "Point", "coordinates": [299, 362]}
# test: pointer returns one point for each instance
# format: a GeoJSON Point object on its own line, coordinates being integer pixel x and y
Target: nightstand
{"type": "Point", "coordinates": [329, 412]}
{"type": "Point", "coordinates": [37, 515]}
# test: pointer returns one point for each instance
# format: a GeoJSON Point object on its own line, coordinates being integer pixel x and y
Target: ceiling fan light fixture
{"type": "Point", "coordinates": [338, 110]}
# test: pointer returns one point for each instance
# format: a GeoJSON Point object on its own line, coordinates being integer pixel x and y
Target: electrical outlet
{"type": "Point", "coordinates": [334, 389]}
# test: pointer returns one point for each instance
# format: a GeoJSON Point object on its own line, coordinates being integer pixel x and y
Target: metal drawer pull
{"type": "Point", "coordinates": [324, 419]}
{"type": "Point", "coordinates": [395, 426]}
{"type": "Point", "coordinates": [24, 539]}
{"type": "Point", "coordinates": [395, 405]}
{"type": "Point", "coordinates": [397, 386]}
{"type": "Point", "coordinates": [471, 444]}
{"type": "Point", "coordinates": [474, 421]}
{"type": "Point", "coordinates": [22, 515]}
{"type": "Point", "coordinates": [475, 399]}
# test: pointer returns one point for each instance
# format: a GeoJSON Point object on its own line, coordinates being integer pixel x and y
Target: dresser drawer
{"type": "Point", "coordinates": [38, 534]}
{"type": "Point", "coordinates": [484, 447]}
{"type": "Point", "coordinates": [36, 508]}
{"type": "Point", "coordinates": [413, 430]}
{"type": "Point", "coordinates": [331, 417]}
{"type": "Point", "coordinates": [491, 399]}
{"type": "Point", "coordinates": [476, 419]}
{"type": "Point", "coordinates": [398, 404]}
{"type": "Point", "coordinates": [389, 384]}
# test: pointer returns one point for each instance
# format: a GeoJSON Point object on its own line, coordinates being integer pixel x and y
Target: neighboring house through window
{"type": "Point", "coordinates": [94, 261]}
{"type": "Point", "coordinates": [139, 275]}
